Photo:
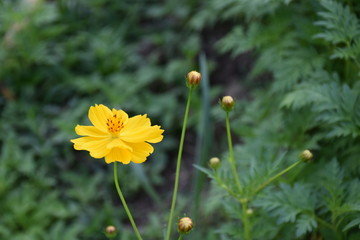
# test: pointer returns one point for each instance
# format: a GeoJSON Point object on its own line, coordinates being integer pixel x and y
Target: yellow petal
{"type": "Point", "coordinates": [98, 116]}
{"type": "Point", "coordinates": [140, 151]}
{"type": "Point", "coordinates": [138, 121]}
{"type": "Point", "coordinates": [119, 144]}
{"type": "Point", "coordinates": [78, 143]}
{"type": "Point", "coordinates": [118, 155]}
{"type": "Point", "coordinates": [96, 146]}
{"type": "Point", "coordinates": [156, 135]}
{"type": "Point", "coordinates": [120, 113]}
{"type": "Point", "coordinates": [139, 129]}
{"type": "Point", "coordinates": [150, 134]}
{"type": "Point", "coordinates": [90, 131]}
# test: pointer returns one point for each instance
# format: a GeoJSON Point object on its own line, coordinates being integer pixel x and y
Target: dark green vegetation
{"type": "Point", "coordinates": [59, 57]}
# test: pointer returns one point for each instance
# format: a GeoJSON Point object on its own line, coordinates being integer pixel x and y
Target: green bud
{"type": "Point", "coordinates": [110, 231]}
{"type": "Point", "coordinates": [306, 156]}
{"type": "Point", "coordinates": [214, 162]}
{"type": "Point", "coordinates": [227, 103]}
{"type": "Point", "coordinates": [249, 211]}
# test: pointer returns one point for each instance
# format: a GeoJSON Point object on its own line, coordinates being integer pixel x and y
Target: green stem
{"type": "Point", "coordinates": [231, 154]}
{"type": "Point", "coordinates": [224, 186]}
{"type": "Point", "coordinates": [178, 164]}
{"type": "Point", "coordinates": [330, 226]}
{"type": "Point", "coordinates": [325, 224]}
{"type": "Point", "coordinates": [262, 186]}
{"type": "Point", "coordinates": [237, 180]}
{"type": "Point", "coordinates": [246, 222]}
{"type": "Point", "coordinates": [181, 235]}
{"type": "Point", "coordinates": [124, 202]}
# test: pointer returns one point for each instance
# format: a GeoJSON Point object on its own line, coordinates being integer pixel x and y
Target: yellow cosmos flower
{"type": "Point", "coordinates": [117, 137]}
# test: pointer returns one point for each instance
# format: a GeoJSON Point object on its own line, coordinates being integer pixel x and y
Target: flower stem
{"type": "Point", "coordinates": [124, 202]}
{"type": "Point", "coordinates": [231, 154]}
{"type": "Point", "coordinates": [246, 222]}
{"type": "Point", "coordinates": [237, 180]}
{"type": "Point", "coordinates": [262, 186]}
{"type": "Point", "coordinates": [180, 237]}
{"type": "Point", "coordinates": [178, 164]}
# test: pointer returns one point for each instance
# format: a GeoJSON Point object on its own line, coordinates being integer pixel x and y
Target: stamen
{"type": "Point", "coordinates": [114, 124]}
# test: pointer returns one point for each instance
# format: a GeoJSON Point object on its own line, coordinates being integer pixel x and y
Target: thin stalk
{"type": "Point", "coordinates": [262, 186]}
{"type": "Point", "coordinates": [124, 202]}
{"type": "Point", "coordinates": [330, 226]}
{"type": "Point", "coordinates": [178, 164]}
{"type": "Point", "coordinates": [246, 222]}
{"type": "Point", "coordinates": [223, 185]}
{"type": "Point", "coordinates": [245, 218]}
{"type": "Point", "coordinates": [325, 224]}
{"type": "Point", "coordinates": [231, 154]}
{"type": "Point", "coordinates": [180, 237]}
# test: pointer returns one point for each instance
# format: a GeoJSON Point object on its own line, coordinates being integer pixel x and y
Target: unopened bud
{"type": "Point", "coordinates": [227, 103]}
{"type": "Point", "coordinates": [214, 162]}
{"type": "Point", "coordinates": [185, 225]}
{"type": "Point", "coordinates": [306, 156]}
{"type": "Point", "coordinates": [249, 211]}
{"type": "Point", "coordinates": [110, 231]}
{"type": "Point", "coordinates": [193, 78]}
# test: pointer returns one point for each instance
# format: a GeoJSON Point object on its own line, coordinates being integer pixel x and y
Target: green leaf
{"type": "Point", "coordinates": [305, 223]}
{"type": "Point", "coordinates": [352, 224]}
{"type": "Point", "coordinates": [207, 171]}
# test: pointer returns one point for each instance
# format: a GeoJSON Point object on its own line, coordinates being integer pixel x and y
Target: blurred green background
{"type": "Point", "coordinates": [292, 66]}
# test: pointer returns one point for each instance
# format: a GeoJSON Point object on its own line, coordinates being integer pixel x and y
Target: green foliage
{"type": "Point", "coordinates": [291, 205]}
{"type": "Point", "coordinates": [310, 49]}
{"type": "Point", "coordinates": [340, 28]}
{"type": "Point", "coordinates": [57, 59]}
{"type": "Point", "coordinates": [60, 57]}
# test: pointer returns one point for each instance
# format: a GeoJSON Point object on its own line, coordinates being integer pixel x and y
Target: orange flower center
{"type": "Point", "coordinates": [115, 124]}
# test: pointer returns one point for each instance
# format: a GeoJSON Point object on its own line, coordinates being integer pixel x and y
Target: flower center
{"type": "Point", "coordinates": [114, 124]}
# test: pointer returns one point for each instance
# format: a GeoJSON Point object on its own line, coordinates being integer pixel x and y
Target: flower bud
{"type": "Point", "coordinates": [110, 231]}
{"type": "Point", "coordinates": [193, 78]}
{"type": "Point", "coordinates": [214, 162]}
{"type": "Point", "coordinates": [249, 211]}
{"type": "Point", "coordinates": [227, 103]}
{"type": "Point", "coordinates": [306, 156]}
{"type": "Point", "coordinates": [185, 225]}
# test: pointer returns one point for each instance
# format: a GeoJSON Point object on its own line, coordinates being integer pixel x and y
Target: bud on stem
{"type": "Point", "coordinates": [214, 162]}
{"type": "Point", "coordinates": [227, 103]}
{"type": "Point", "coordinates": [193, 79]}
{"type": "Point", "coordinates": [110, 232]}
{"type": "Point", "coordinates": [306, 156]}
{"type": "Point", "coordinates": [185, 225]}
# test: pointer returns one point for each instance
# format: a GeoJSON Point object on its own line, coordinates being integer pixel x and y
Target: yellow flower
{"type": "Point", "coordinates": [117, 137]}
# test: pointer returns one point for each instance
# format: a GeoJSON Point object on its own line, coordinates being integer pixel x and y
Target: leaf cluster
{"type": "Point", "coordinates": [57, 59]}
{"type": "Point", "coordinates": [311, 102]}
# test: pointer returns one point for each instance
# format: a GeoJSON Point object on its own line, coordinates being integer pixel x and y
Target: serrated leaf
{"type": "Point", "coordinates": [305, 223]}
{"type": "Point", "coordinates": [352, 224]}
{"type": "Point", "coordinates": [207, 171]}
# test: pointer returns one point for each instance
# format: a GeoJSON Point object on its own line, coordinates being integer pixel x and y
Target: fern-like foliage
{"type": "Point", "coordinates": [341, 196]}
{"type": "Point", "coordinates": [311, 50]}
{"type": "Point", "coordinates": [336, 106]}
{"type": "Point", "coordinates": [291, 204]}
{"type": "Point", "coordinates": [341, 28]}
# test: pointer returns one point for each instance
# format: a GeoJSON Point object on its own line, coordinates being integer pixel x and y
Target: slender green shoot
{"type": "Point", "coordinates": [246, 221]}
{"type": "Point", "coordinates": [270, 180]}
{"type": "Point", "coordinates": [124, 202]}
{"type": "Point", "coordinates": [231, 154]}
{"type": "Point", "coordinates": [178, 164]}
